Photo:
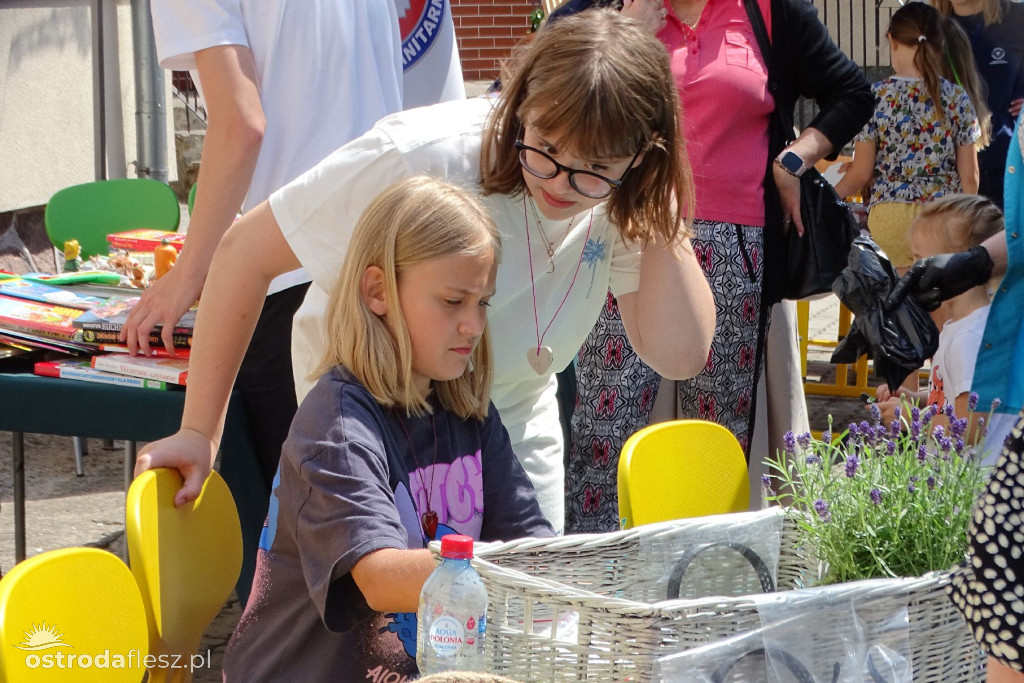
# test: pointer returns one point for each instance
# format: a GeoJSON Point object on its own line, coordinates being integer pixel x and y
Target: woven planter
{"type": "Point", "coordinates": [605, 595]}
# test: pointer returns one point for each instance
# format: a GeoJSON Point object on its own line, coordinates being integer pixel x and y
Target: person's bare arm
{"type": "Point", "coordinates": [967, 167]}
{"type": "Point", "coordinates": [234, 133]}
{"type": "Point", "coordinates": [860, 171]}
{"type": "Point", "coordinates": [391, 579]}
{"type": "Point", "coordinates": [670, 319]}
{"type": "Point", "coordinates": [251, 254]}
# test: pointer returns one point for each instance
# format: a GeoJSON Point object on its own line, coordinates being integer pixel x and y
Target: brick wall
{"type": "Point", "coordinates": [486, 30]}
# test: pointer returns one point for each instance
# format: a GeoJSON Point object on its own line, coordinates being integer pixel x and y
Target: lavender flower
{"type": "Point", "coordinates": [931, 483]}
{"type": "Point", "coordinates": [789, 441]}
{"type": "Point", "coordinates": [915, 430]}
{"type": "Point", "coordinates": [982, 427]}
{"type": "Point", "coordinates": [949, 411]}
{"type": "Point", "coordinates": [910, 487]}
{"type": "Point", "coordinates": [821, 507]}
{"type": "Point", "coordinates": [876, 412]}
{"type": "Point", "coordinates": [865, 428]}
{"type": "Point", "coordinates": [852, 463]}
{"type": "Point", "coordinates": [826, 437]}
{"type": "Point", "coordinates": [876, 496]}
{"type": "Point", "coordinates": [812, 460]}
{"type": "Point", "coordinates": [945, 443]}
{"type": "Point", "coordinates": [939, 432]}
{"type": "Point", "coordinates": [766, 482]}
{"type": "Point", "coordinates": [972, 401]}
{"type": "Point", "coordinates": [922, 453]}
{"type": "Point", "coordinates": [996, 402]}
{"type": "Point", "coordinates": [890, 446]}
{"type": "Point", "coordinates": [854, 433]}
{"type": "Point", "coordinates": [958, 426]}
{"type": "Point", "coordinates": [915, 413]}
{"type": "Point", "coordinates": [960, 445]}
{"type": "Point", "coordinates": [894, 428]}
{"type": "Point", "coordinates": [804, 440]}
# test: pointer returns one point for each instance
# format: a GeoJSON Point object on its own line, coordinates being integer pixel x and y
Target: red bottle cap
{"type": "Point", "coordinates": [457, 547]}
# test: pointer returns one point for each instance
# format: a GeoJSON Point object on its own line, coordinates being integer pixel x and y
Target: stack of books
{"type": "Point", "coordinates": [75, 330]}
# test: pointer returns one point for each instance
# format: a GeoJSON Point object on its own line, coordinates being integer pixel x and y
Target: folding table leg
{"type": "Point", "coordinates": [81, 445]}
{"type": "Point", "coordinates": [18, 474]}
{"type": "Point", "coordinates": [129, 463]}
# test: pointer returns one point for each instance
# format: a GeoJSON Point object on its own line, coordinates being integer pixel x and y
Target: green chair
{"type": "Point", "coordinates": [91, 211]}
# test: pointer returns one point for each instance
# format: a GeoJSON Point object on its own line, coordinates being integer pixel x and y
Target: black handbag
{"type": "Point", "coordinates": [815, 259]}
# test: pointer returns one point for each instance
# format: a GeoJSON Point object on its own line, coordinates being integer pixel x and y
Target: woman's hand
{"type": "Point", "coordinates": [650, 13]}
{"type": "Point", "coordinates": [190, 452]}
{"type": "Point", "coordinates": [788, 186]}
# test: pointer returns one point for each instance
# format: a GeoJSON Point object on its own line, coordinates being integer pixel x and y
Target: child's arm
{"type": "Point", "coordinates": [251, 254]}
{"type": "Point", "coordinates": [391, 579]}
{"type": "Point", "coordinates": [967, 167]}
{"type": "Point", "coordinates": [670, 319]}
{"type": "Point", "coordinates": [860, 171]}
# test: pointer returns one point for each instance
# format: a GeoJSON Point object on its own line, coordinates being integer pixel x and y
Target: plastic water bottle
{"type": "Point", "coordinates": [452, 617]}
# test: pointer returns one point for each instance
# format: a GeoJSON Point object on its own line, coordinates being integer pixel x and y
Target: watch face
{"type": "Point", "coordinates": [791, 162]}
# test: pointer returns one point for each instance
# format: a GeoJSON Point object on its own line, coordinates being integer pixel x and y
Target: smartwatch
{"type": "Point", "coordinates": [791, 163]}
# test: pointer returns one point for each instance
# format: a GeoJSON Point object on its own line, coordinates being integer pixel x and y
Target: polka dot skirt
{"type": "Point", "coordinates": [989, 588]}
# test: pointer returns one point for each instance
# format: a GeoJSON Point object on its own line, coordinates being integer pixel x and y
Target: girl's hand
{"type": "Point", "coordinates": [888, 409]}
{"type": "Point", "coordinates": [882, 393]}
{"type": "Point", "coordinates": [650, 13]}
{"type": "Point", "coordinates": [190, 452]}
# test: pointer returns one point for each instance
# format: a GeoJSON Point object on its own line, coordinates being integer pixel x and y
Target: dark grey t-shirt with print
{"type": "Point", "coordinates": [349, 484]}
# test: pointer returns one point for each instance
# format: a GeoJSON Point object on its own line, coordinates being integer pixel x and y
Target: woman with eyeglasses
{"type": "Point", "coordinates": [580, 164]}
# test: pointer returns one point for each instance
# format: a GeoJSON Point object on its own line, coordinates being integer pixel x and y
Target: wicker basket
{"type": "Point", "coordinates": [587, 608]}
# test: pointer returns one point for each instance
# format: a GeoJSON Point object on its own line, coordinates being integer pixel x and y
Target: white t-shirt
{"type": "Point", "coordinates": [953, 362]}
{"type": "Point", "coordinates": [327, 70]}
{"type": "Point", "coordinates": [430, 57]}
{"type": "Point", "coordinates": [319, 210]}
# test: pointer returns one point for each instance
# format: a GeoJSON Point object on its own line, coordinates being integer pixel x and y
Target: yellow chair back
{"type": "Point", "coordinates": [186, 561]}
{"type": "Point", "coordinates": [73, 614]}
{"type": "Point", "coordinates": [683, 468]}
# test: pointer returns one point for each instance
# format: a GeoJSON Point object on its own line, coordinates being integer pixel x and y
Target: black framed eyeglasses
{"type": "Point", "coordinates": [587, 183]}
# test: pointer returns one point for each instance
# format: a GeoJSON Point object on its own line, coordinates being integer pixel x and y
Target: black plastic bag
{"type": "Point", "coordinates": [898, 341]}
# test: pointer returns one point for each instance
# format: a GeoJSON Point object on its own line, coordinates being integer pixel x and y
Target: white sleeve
{"type": "Point", "coordinates": [183, 27]}
{"type": "Point", "coordinates": [625, 268]}
{"type": "Point", "coordinates": [317, 212]}
{"type": "Point", "coordinates": [961, 356]}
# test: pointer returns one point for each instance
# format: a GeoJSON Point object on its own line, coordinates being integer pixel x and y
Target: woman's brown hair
{"type": "Point", "coordinates": [992, 10]}
{"type": "Point", "coordinates": [602, 84]}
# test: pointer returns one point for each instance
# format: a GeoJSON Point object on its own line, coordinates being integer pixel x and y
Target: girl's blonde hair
{"type": "Point", "coordinates": [602, 83]}
{"type": "Point", "coordinates": [415, 220]}
{"type": "Point", "coordinates": [992, 10]}
{"type": "Point", "coordinates": [959, 221]}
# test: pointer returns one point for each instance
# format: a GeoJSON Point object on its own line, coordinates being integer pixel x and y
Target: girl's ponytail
{"type": "Point", "coordinates": [919, 24]}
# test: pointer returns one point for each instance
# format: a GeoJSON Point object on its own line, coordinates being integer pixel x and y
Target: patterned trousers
{"type": "Point", "coordinates": [616, 390]}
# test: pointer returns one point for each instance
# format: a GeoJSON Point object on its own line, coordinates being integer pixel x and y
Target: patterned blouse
{"type": "Point", "coordinates": [915, 150]}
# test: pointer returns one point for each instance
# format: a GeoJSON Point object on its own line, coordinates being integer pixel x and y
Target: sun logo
{"type": "Point", "coordinates": [42, 638]}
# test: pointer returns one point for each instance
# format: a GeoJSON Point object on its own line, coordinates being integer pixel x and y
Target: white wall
{"type": "Point", "coordinates": [46, 108]}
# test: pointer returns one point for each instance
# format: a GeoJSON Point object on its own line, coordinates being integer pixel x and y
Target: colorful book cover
{"type": "Point", "coordinates": [37, 291]}
{"type": "Point", "coordinates": [103, 337]}
{"type": "Point", "coordinates": [82, 370]}
{"type": "Point", "coordinates": [112, 316]}
{"type": "Point", "coordinates": [39, 318]}
{"type": "Point", "coordinates": [155, 351]}
{"type": "Point", "coordinates": [144, 239]}
{"type": "Point", "coordinates": [174, 370]}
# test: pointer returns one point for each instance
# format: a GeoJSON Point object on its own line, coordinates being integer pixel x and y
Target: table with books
{"type": "Point", "coordinates": [62, 372]}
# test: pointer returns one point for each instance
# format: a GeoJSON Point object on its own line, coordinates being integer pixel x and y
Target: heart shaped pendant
{"type": "Point", "coordinates": [539, 359]}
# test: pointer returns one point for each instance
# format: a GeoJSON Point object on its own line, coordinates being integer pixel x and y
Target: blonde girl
{"type": "Point", "coordinates": [950, 224]}
{"type": "Point", "coordinates": [581, 167]}
{"type": "Point", "coordinates": [920, 141]}
{"type": "Point", "coordinates": [397, 444]}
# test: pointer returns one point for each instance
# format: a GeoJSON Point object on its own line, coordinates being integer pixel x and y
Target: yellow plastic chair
{"type": "Point", "coordinates": [90, 211]}
{"type": "Point", "coordinates": [683, 468]}
{"type": "Point", "coordinates": [73, 614]}
{"type": "Point", "coordinates": [186, 561]}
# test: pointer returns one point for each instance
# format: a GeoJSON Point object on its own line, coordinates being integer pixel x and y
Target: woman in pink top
{"type": "Point", "coordinates": [746, 181]}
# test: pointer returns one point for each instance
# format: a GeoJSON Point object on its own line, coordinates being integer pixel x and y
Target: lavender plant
{"type": "Point", "coordinates": [881, 501]}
